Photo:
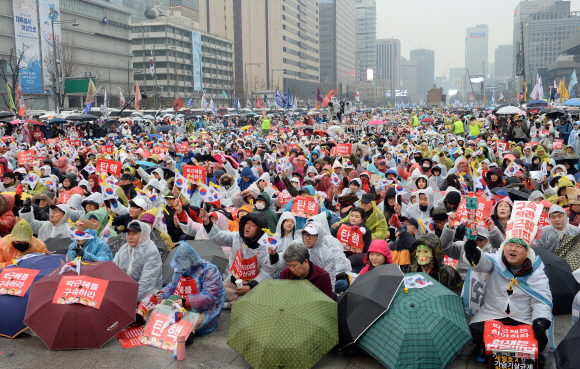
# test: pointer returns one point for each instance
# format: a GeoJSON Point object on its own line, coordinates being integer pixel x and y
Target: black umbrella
{"type": "Point", "coordinates": [75, 117]}
{"type": "Point", "coordinates": [165, 128]}
{"type": "Point", "coordinates": [555, 113]}
{"type": "Point", "coordinates": [116, 242]}
{"type": "Point", "coordinates": [514, 194]}
{"type": "Point", "coordinates": [58, 246]}
{"type": "Point", "coordinates": [158, 241]}
{"type": "Point", "coordinates": [165, 170]}
{"type": "Point", "coordinates": [201, 158]}
{"type": "Point", "coordinates": [6, 114]}
{"type": "Point", "coordinates": [360, 306]}
{"type": "Point", "coordinates": [211, 252]}
{"type": "Point", "coordinates": [562, 283]}
{"type": "Point", "coordinates": [572, 160]}
{"type": "Point", "coordinates": [567, 354]}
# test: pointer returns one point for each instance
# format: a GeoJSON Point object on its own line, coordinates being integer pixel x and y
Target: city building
{"type": "Point", "coordinates": [337, 50]}
{"type": "Point", "coordinates": [455, 75]}
{"type": "Point", "coordinates": [476, 47]}
{"type": "Point", "coordinates": [389, 63]}
{"type": "Point", "coordinates": [426, 73]}
{"type": "Point", "coordinates": [276, 43]}
{"type": "Point", "coordinates": [373, 94]}
{"type": "Point", "coordinates": [503, 62]}
{"type": "Point", "coordinates": [365, 37]}
{"type": "Point", "coordinates": [139, 8]}
{"type": "Point", "coordinates": [93, 40]}
{"type": "Point", "coordinates": [179, 70]}
{"type": "Point", "coordinates": [188, 9]}
{"type": "Point", "coordinates": [410, 79]}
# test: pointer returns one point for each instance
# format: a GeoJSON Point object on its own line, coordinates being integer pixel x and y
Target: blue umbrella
{"type": "Point", "coordinates": [165, 128]}
{"type": "Point", "coordinates": [572, 102]}
{"type": "Point", "coordinates": [145, 163]}
{"type": "Point", "coordinates": [537, 104]}
{"type": "Point", "coordinates": [154, 135]}
{"type": "Point", "coordinates": [13, 308]}
{"type": "Point", "coordinates": [57, 120]}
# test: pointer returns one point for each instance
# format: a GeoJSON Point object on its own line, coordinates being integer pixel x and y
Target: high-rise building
{"type": "Point", "coordinates": [337, 58]}
{"type": "Point", "coordinates": [455, 74]}
{"type": "Point", "coordinates": [389, 63]}
{"type": "Point", "coordinates": [188, 8]}
{"type": "Point", "coordinates": [426, 71]}
{"type": "Point", "coordinates": [503, 61]}
{"type": "Point", "coordinates": [138, 8]}
{"type": "Point", "coordinates": [276, 43]}
{"type": "Point", "coordinates": [410, 78]}
{"type": "Point", "coordinates": [476, 45]}
{"type": "Point", "coordinates": [365, 37]}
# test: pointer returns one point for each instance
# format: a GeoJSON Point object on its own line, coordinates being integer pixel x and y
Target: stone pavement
{"type": "Point", "coordinates": [211, 351]}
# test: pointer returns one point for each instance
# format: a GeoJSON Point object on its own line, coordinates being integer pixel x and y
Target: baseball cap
{"type": "Point", "coordinates": [133, 226]}
{"type": "Point", "coordinates": [127, 176]}
{"type": "Point", "coordinates": [138, 202]}
{"type": "Point", "coordinates": [169, 196]}
{"type": "Point", "coordinates": [310, 229]}
{"type": "Point", "coordinates": [413, 221]}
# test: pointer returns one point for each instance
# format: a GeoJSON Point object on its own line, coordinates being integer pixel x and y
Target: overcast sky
{"type": "Point", "coordinates": [440, 25]}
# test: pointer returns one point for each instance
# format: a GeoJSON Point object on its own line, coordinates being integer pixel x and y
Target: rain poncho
{"type": "Point", "coordinates": [246, 172]}
{"type": "Point", "coordinates": [551, 239]}
{"type": "Point", "coordinates": [286, 241]}
{"type": "Point", "coordinates": [341, 263]}
{"type": "Point", "coordinates": [95, 249]}
{"type": "Point", "coordinates": [268, 212]}
{"type": "Point", "coordinates": [320, 254]}
{"type": "Point", "coordinates": [414, 211]}
{"type": "Point", "coordinates": [22, 232]}
{"type": "Point", "coordinates": [103, 216]}
{"type": "Point", "coordinates": [44, 229]}
{"type": "Point", "coordinates": [142, 263]}
{"type": "Point", "coordinates": [210, 295]}
{"type": "Point", "coordinates": [300, 221]}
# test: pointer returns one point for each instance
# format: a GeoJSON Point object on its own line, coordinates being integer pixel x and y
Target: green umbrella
{"type": "Point", "coordinates": [284, 324]}
{"type": "Point", "coordinates": [424, 328]}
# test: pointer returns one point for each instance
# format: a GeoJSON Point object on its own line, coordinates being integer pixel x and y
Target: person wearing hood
{"type": "Point", "coordinates": [560, 197]}
{"type": "Point", "coordinates": [247, 257]}
{"type": "Point", "coordinates": [517, 289]}
{"type": "Point", "coordinates": [378, 254]}
{"type": "Point", "coordinates": [56, 227]}
{"type": "Point", "coordinates": [99, 219]}
{"type": "Point", "coordinates": [356, 221]}
{"type": "Point", "coordinates": [286, 232]}
{"type": "Point", "coordinates": [552, 235]}
{"type": "Point", "coordinates": [299, 267]}
{"type": "Point", "coordinates": [69, 181]}
{"type": "Point", "coordinates": [10, 182]}
{"type": "Point", "coordinates": [573, 211]}
{"type": "Point", "coordinates": [494, 178]}
{"type": "Point", "coordinates": [140, 259]}
{"type": "Point", "coordinates": [537, 197]}
{"type": "Point", "coordinates": [247, 178]}
{"type": "Point", "coordinates": [234, 225]}
{"type": "Point", "coordinates": [228, 188]}
{"type": "Point", "coordinates": [313, 237]}
{"type": "Point", "coordinates": [155, 174]}
{"type": "Point", "coordinates": [427, 256]}
{"type": "Point", "coordinates": [438, 172]}
{"type": "Point", "coordinates": [209, 296]}
{"type": "Point", "coordinates": [93, 249]}
{"type": "Point", "coordinates": [18, 243]}
{"type": "Point", "coordinates": [421, 209]}
{"type": "Point", "coordinates": [305, 191]}
{"type": "Point", "coordinates": [375, 219]}
{"type": "Point", "coordinates": [502, 211]}
{"type": "Point", "coordinates": [262, 205]}
{"type": "Point", "coordinates": [40, 206]}
{"type": "Point", "coordinates": [349, 197]}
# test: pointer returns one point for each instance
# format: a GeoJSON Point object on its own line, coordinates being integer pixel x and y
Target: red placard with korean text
{"type": "Point", "coordinates": [246, 269]}
{"type": "Point", "coordinates": [25, 157]}
{"type": "Point", "coordinates": [166, 339]}
{"type": "Point", "coordinates": [52, 141]}
{"type": "Point", "coordinates": [483, 211]}
{"type": "Point", "coordinates": [109, 166]}
{"type": "Point", "coordinates": [159, 150]}
{"type": "Point", "coordinates": [292, 146]}
{"type": "Point", "coordinates": [166, 144]}
{"type": "Point", "coordinates": [543, 222]}
{"type": "Point", "coordinates": [451, 262]}
{"type": "Point", "coordinates": [519, 340]}
{"type": "Point", "coordinates": [344, 149]}
{"type": "Point", "coordinates": [195, 172]}
{"type": "Point", "coordinates": [558, 144]}
{"type": "Point", "coordinates": [284, 198]}
{"type": "Point", "coordinates": [305, 207]}
{"type": "Point", "coordinates": [182, 148]}
{"type": "Point", "coordinates": [80, 289]}
{"type": "Point", "coordinates": [147, 303]}
{"type": "Point", "coordinates": [271, 137]}
{"type": "Point", "coordinates": [351, 240]}
{"type": "Point", "coordinates": [129, 337]}
{"type": "Point", "coordinates": [186, 286]}
{"type": "Point", "coordinates": [545, 132]}
{"type": "Point", "coordinates": [1, 170]}
{"type": "Point", "coordinates": [531, 144]}
{"type": "Point", "coordinates": [524, 221]}
{"type": "Point", "coordinates": [248, 154]}
{"type": "Point", "coordinates": [16, 281]}
{"type": "Point", "coordinates": [75, 143]}
{"type": "Point", "coordinates": [107, 149]}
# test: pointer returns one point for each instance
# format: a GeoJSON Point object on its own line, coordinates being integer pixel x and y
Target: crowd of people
{"type": "Point", "coordinates": [391, 198]}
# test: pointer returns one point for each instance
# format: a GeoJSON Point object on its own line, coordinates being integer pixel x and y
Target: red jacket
{"type": "Point", "coordinates": [317, 276]}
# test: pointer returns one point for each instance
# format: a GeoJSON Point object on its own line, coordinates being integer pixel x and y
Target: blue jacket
{"type": "Point", "coordinates": [310, 162]}
{"type": "Point", "coordinates": [246, 172]}
{"type": "Point", "coordinates": [300, 221]}
{"type": "Point", "coordinates": [95, 249]}
{"type": "Point", "coordinates": [564, 128]}
{"type": "Point", "coordinates": [210, 295]}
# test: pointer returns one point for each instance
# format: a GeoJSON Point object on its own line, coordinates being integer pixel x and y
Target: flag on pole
{"type": "Point", "coordinates": [190, 102]}
{"type": "Point", "coordinates": [259, 103]}
{"type": "Point", "coordinates": [90, 96]}
{"type": "Point", "coordinates": [248, 104]}
{"type": "Point", "coordinates": [235, 100]}
{"type": "Point", "coordinates": [500, 96]}
{"type": "Point", "coordinates": [319, 96]}
{"type": "Point", "coordinates": [295, 105]}
{"type": "Point", "coordinates": [212, 107]}
{"type": "Point", "coordinates": [203, 102]}
{"type": "Point", "coordinates": [137, 96]}
{"type": "Point", "coordinates": [105, 105]}
{"type": "Point", "coordinates": [573, 81]}
{"type": "Point", "coordinates": [151, 65]}
{"type": "Point", "coordinates": [177, 104]}
{"type": "Point", "coordinates": [279, 100]}
{"type": "Point", "coordinates": [224, 95]}
{"type": "Point", "coordinates": [121, 97]}
{"type": "Point", "coordinates": [239, 106]}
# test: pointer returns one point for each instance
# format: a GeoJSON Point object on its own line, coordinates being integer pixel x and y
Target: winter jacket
{"type": "Point", "coordinates": [551, 239]}
{"type": "Point", "coordinates": [268, 212]}
{"type": "Point", "coordinates": [380, 246]}
{"type": "Point", "coordinates": [210, 295]}
{"type": "Point", "coordinates": [7, 219]}
{"type": "Point", "coordinates": [142, 263]}
{"type": "Point", "coordinates": [21, 232]}
{"type": "Point", "coordinates": [95, 249]}
{"type": "Point", "coordinates": [44, 229]}
{"type": "Point", "coordinates": [499, 183]}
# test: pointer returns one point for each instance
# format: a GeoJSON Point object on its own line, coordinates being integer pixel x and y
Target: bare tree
{"type": "Point", "coordinates": [10, 70]}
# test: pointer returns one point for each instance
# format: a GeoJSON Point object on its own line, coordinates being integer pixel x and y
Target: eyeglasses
{"type": "Point", "coordinates": [309, 236]}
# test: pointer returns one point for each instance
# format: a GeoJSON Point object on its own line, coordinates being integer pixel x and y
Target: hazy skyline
{"type": "Point", "coordinates": [421, 24]}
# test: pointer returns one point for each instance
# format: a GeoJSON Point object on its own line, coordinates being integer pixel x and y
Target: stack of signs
{"type": "Point", "coordinates": [129, 337]}
{"type": "Point", "coordinates": [471, 204]}
{"type": "Point", "coordinates": [510, 346]}
{"type": "Point", "coordinates": [523, 222]}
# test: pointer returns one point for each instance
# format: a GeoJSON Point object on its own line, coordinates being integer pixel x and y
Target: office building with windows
{"type": "Point", "coordinates": [426, 65]}
{"type": "Point", "coordinates": [365, 37]}
{"type": "Point", "coordinates": [389, 63]}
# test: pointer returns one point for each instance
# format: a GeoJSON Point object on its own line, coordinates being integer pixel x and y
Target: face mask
{"type": "Point", "coordinates": [260, 206]}
{"type": "Point", "coordinates": [21, 246]}
{"type": "Point", "coordinates": [423, 254]}
{"type": "Point", "coordinates": [426, 165]}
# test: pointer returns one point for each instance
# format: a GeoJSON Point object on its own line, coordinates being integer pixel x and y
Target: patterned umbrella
{"type": "Point", "coordinates": [424, 328]}
{"type": "Point", "coordinates": [284, 324]}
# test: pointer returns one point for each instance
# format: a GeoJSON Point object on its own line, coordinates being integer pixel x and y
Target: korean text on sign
{"type": "Point", "coordinates": [524, 221]}
{"type": "Point", "coordinates": [195, 173]}
{"type": "Point", "coordinates": [351, 240]}
{"type": "Point", "coordinates": [166, 339]}
{"type": "Point", "coordinates": [304, 207]}
{"type": "Point", "coordinates": [516, 339]}
{"type": "Point", "coordinates": [343, 149]}
{"type": "Point", "coordinates": [16, 281]}
{"type": "Point", "coordinates": [109, 166]}
{"type": "Point", "coordinates": [80, 289]}
{"type": "Point", "coordinates": [107, 149]}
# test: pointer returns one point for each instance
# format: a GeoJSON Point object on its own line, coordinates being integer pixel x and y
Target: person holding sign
{"type": "Point", "coordinates": [19, 243]}
{"type": "Point", "coordinates": [199, 284]}
{"type": "Point", "coordinates": [516, 291]}
{"type": "Point", "coordinates": [348, 234]}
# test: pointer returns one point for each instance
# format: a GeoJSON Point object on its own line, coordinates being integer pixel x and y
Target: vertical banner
{"type": "Point", "coordinates": [27, 46]}
{"type": "Point", "coordinates": [48, 12]}
{"type": "Point", "coordinates": [196, 50]}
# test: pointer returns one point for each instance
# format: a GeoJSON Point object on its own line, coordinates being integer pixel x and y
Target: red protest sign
{"type": "Point", "coordinates": [271, 137]}
{"type": "Point", "coordinates": [159, 150]}
{"type": "Point", "coordinates": [483, 211]}
{"type": "Point", "coordinates": [166, 144]}
{"type": "Point", "coordinates": [64, 197]}
{"type": "Point", "coordinates": [182, 148]}
{"type": "Point", "coordinates": [107, 149]}
{"type": "Point", "coordinates": [519, 340]}
{"type": "Point", "coordinates": [502, 145]}
{"type": "Point", "coordinates": [186, 286]}
{"type": "Point", "coordinates": [246, 269]}
{"type": "Point", "coordinates": [545, 132]}
{"type": "Point", "coordinates": [146, 304]}
{"type": "Point", "coordinates": [52, 141]}
{"type": "Point", "coordinates": [166, 339]}
{"type": "Point", "coordinates": [109, 166]}
{"type": "Point", "coordinates": [343, 149]}
{"type": "Point", "coordinates": [129, 337]}
{"type": "Point", "coordinates": [16, 281]}
{"type": "Point", "coordinates": [80, 289]}
{"type": "Point", "coordinates": [448, 261]}
{"type": "Point", "coordinates": [284, 198]}
{"type": "Point", "coordinates": [25, 157]}
{"type": "Point", "coordinates": [195, 173]}
{"type": "Point", "coordinates": [292, 146]}
{"type": "Point", "coordinates": [75, 143]}
{"type": "Point", "coordinates": [543, 222]}
{"type": "Point", "coordinates": [1, 170]}
{"type": "Point", "coordinates": [558, 144]}
{"type": "Point", "coordinates": [305, 207]}
{"type": "Point", "coordinates": [248, 154]}
{"type": "Point", "coordinates": [351, 240]}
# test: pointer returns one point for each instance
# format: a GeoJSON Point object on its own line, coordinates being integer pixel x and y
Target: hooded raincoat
{"type": "Point", "coordinates": [95, 249]}
{"type": "Point", "coordinates": [320, 254]}
{"type": "Point", "coordinates": [380, 246]}
{"type": "Point", "coordinates": [551, 238]}
{"type": "Point", "coordinates": [22, 232]}
{"type": "Point", "coordinates": [44, 229]}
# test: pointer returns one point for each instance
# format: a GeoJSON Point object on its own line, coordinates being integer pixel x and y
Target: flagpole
{"type": "Point", "coordinates": [155, 77]}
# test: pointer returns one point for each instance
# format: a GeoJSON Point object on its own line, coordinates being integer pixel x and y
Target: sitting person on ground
{"type": "Point", "coordinates": [356, 221]}
{"type": "Point", "coordinates": [93, 249]}
{"type": "Point", "coordinates": [56, 227]}
{"type": "Point", "coordinates": [553, 235]}
{"type": "Point", "coordinates": [297, 258]}
{"type": "Point", "coordinates": [19, 243]}
{"type": "Point", "coordinates": [378, 254]}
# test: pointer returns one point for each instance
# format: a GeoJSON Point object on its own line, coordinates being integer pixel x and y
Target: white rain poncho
{"type": "Point", "coordinates": [293, 236]}
{"type": "Point", "coordinates": [414, 211]}
{"type": "Point", "coordinates": [320, 254]}
{"type": "Point", "coordinates": [142, 263]}
{"type": "Point", "coordinates": [75, 203]}
{"type": "Point", "coordinates": [551, 239]}
{"type": "Point", "coordinates": [44, 229]}
{"type": "Point", "coordinates": [341, 263]}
